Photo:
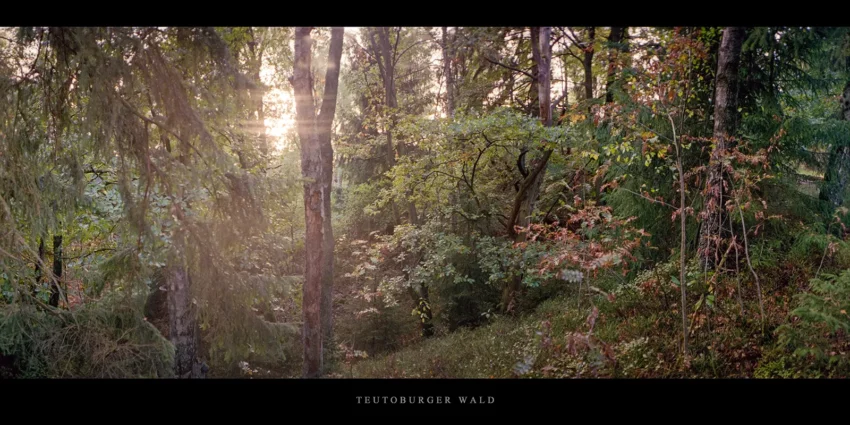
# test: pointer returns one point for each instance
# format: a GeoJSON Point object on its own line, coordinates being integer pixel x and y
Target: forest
{"type": "Point", "coordinates": [424, 202]}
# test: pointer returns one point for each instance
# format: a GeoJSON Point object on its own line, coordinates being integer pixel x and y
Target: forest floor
{"type": "Point", "coordinates": [622, 331]}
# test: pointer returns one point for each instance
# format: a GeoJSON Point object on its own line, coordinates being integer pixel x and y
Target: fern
{"type": "Point", "coordinates": [820, 320]}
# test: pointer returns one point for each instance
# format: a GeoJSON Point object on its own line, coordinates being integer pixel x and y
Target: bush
{"type": "Point", "coordinates": [106, 339]}
{"type": "Point", "coordinates": [819, 325]}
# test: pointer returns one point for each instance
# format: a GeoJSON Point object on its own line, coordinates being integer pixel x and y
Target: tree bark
{"type": "Point", "coordinates": [317, 170]}
{"type": "Point", "coordinates": [326, 118]}
{"type": "Point", "coordinates": [38, 265]}
{"type": "Point", "coordinates": [311, 170]}
{"type": "Point", "coordinates": [527, 195]}
{"type": "Point", "coordinates": [57, 271]}
{"type": "Point", "coordinates": [534, 90]}
{"type": "Point", "coordinates": [183, 327]}
{"type": "Point", "coordinates": [838, 168]}
{"type": "Point", "coordinates": [615, 39]}
{"type": "Point", "coordinates": [588, 65]}
{"type": "Point", "coordinates": [448, 75]}
{"type": "Point", "coordinates": [725, 109]}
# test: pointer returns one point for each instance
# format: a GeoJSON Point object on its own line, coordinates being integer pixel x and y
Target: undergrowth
{"type": "Point", "coordinates": [107, 339]}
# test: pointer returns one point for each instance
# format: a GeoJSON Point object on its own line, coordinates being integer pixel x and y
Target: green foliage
{"type": "Point", "coordinates": [777, 364]}
{"type": "Point", "coordinates": [147, 147]}
{"type": "Point", "coordinates": [107, 339]}
{"type": "Point", "coordinates": [820, 322]}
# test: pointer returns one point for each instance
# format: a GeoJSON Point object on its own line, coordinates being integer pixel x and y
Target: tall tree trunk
{"type": "Point", "coordinates": [725, 108]}
{"type": "Point", "coordinates": [448, 75]}
{"type": "Point", "coordinates": [534, 90]}
{"type": "Point", "coordinates": [316, 168]}
{"type": "Point", "coordinates": [325, 125]}
{"type": "Point", "coordinates": [388, 54]}
{"type": "Point", "coordinates": [382, 50]}
{"type": "Point", "coordinates": [527, 195]}
{"type": "Point", "coordinates": [588, 65]}
{"type": "Point", "coordinates": [615, 40]}
{"type": "Point", "coordinates": [57, 271]}
{"type": "Point", "coordinates": [838, 168]}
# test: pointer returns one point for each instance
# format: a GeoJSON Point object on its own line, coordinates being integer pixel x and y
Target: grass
{"type": "Point", "coordinates": [628, 330]}
{"type": "Point", "coordinates": [546, 342]}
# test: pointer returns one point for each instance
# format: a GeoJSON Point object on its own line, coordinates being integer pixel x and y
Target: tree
{"type": "Point", "coordinates": [588, 63]}
{"type": "Point", "coordinates": [838, 168]}
{"type": "Point", "coordinates": [57, 271]}
{"type": "Point", "coordinates": [617, 43]}
{"type": "Point", "coordinates": [314, 132]}
{"type": "Point", "coordinates": [526, 197]}
{"type": "Point", "coordinates": [585, 55]}
{"type": "Point", "coordinates": [448, 72]}
{"type": "Point", "coordinates": [725, 109]}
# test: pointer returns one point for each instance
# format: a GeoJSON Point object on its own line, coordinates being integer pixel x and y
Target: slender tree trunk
{"type": "Point", "coordinates": [57, 271]}
{"type": "Point", "coordinates": [838, 168]}
{"type": "Point", "coordinates": [526, 197]}
{"type": "Point", "coordinates": [534, 90]}
{"type": "Point", "coordinates": [385, 67]}
{"type": "Point", "coordinates": [529, 197]}
{"type": "Point", "coordinates": [38, 265]}
{"type": "Point", "coordinates": [682, 256]}
{"type": "Point", "coordinates": [325, 125]}
{"type": "Point", "coordinates": [388, 74]}
{"type": "Point", "coordinates": [544, 83]}
{"type": "Point", "coordinates": [615, 39]}
{"type": "Point", "coordinates": [316, 168]}
{"type": "Point", "coordinates": [725, 108]}
{"type": "Point", "coordinates": [448, 75]}
{"type": "Point", "coordinates": [588, 65]}
{"type": "Point", "coordinates": [683, 239]}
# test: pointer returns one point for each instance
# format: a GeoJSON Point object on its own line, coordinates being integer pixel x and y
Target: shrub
{"type": "Point", "coordinates": [819, 325]}
{"type": "Point", "coordinates": [106, 339]}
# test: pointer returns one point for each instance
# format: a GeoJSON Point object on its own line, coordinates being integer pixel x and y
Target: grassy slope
{"type": "Point", "coordinates": [637, 333]}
